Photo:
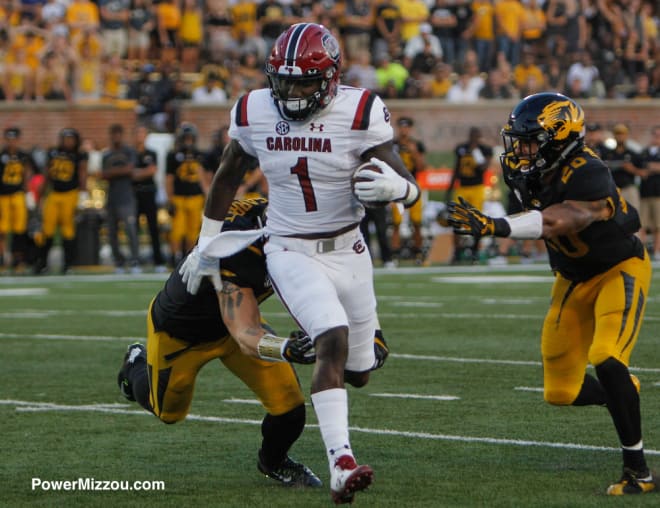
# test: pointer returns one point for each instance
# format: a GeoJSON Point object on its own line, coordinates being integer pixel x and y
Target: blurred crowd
{"type": "Point", "coordinates": [158, 51]}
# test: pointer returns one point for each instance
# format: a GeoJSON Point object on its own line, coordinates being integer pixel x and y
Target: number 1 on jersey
{"type": "Point", "coordinates": [301, 170]}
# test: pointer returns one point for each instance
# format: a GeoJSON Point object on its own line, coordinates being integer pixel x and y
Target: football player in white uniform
{"type": "Point", "coordinates": [310, 134]}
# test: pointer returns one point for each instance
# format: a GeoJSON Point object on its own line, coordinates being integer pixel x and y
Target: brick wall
{"type": "Point", "coordinates": [41, 123]}
{"type": "Point", "coordinates": [439, 125]}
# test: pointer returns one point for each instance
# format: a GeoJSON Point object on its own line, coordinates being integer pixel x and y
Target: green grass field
{"type": "Point", "coordinates": [466, 339]}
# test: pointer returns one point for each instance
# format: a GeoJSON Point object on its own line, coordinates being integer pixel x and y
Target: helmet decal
{"type": "Point", "coordinates": [304, 55]}
{"type": "Point", "coordinates": [561, 118]}
{"type": "Point", "coordinates": [331, 46]}
{"type": "Point", "coordinates": [543, 131]}
{"type": "Point", "coordinates": [294, 42]}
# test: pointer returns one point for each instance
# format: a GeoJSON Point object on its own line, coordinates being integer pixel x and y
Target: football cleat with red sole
{"type": "Point", "coordinates": [347, 478]}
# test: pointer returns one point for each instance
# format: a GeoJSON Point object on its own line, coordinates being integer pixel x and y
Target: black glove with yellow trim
{"type": "Point", "coordinates": [299, 348]}
{"type": "Point", "coordinates": [467, 220]}
{"type": "Point", "coordinates": [381, 350]}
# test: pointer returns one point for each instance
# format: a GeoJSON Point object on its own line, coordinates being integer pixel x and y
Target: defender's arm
{"type": "Point", "coordinates": [240, 313]}
{"type": "Point", "coordinates": [574, 216]}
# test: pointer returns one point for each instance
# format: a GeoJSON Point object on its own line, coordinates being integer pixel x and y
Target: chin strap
{"type": "Point", "coordinates": [563, 155]}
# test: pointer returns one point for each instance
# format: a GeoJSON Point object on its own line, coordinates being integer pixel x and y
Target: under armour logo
{"type": "Point", "coordinates": [359, 247]}
{"type": "Point", "coordinates": [313, 127]}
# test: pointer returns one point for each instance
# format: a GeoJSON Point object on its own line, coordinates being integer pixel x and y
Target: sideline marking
{"type": "Point", "coordinates": [528, 389]}
{"type": "Point", "coordinates": [27, 406]}
{"type": "Point", "coordinates": [24, 292]}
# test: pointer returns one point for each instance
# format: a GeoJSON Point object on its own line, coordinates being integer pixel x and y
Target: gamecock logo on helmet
{"type": "Point", "coordinates": [331, 46]}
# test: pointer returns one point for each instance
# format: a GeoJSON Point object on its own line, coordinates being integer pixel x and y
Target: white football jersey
{"type": "Point", "coordinates": [309, 164]}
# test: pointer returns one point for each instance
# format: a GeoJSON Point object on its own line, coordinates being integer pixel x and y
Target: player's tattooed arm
{"type": "Point", "coordinates": [230, 300]}
{"type": "Point", "coordinates": [240, 313]}
{"type": "Point", "coordinates": [573, 216]}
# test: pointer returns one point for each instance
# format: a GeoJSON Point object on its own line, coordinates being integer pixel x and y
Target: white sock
{"type": "Point", "coordinates": [331, 407]}
{"type": "Point", "coordinates": [638, 446]}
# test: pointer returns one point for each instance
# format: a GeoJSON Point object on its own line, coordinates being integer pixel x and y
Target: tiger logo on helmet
{"type": "Point", "coordinates": [562, 118]}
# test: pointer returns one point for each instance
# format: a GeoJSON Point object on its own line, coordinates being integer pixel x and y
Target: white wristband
{"type": "Point", "coordinates": [411, 195]}
{"type": "Point", "coordinates": [525, 225]}
{"type": "Point", "coordinates": [210, 227]}
{"type": "Point", "coordinates": [271, 348]}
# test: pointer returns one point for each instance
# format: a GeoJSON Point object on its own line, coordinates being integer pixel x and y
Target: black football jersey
{"type": "Point", "coordinates": [63, 169]}
{"type": "Point", "coordinates": [596, 249]}
{"type": "Point", "coordinates": [186, 166]}
{"type": "Point", "coordinates": [603, 244]}
{"type": "Point", "coordinates": [196, 318]}
{"type": "Point", "coordinates": [468, 172]}
{"type": "Point", "coordinates": [615, 160]}
{"type": "Point", "coordinates": [145, 158]}
{"type": "Point", "coordinates": [14, 168]}
{"type": "Point", "coordinates": [407, 156]}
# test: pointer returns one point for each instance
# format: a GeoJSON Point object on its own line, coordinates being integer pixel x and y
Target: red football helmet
{"type": "Point", "coordinates": [303, 70]}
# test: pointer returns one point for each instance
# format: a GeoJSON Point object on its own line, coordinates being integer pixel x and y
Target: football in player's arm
{"type": "Point", "coordinates": [602, 270]}
{"type": "Point", "coordinates": [309, 134]}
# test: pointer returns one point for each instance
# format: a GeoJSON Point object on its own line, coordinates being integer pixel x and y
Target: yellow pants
{"type": "Point", "coordinates": [589, 322]}
{"type": "Point", "coordinates": [414, 212]}
{"type": "Point", "coordinates": [173, 366]}
{"type": "Point", "coordinates": [60, 210]}
{"type": "Point", "coordinates": [473, 194]}
{"type": "Point", "coordinates": [187, 218]}
{"type": "Point", "coordinates": [13, 213]}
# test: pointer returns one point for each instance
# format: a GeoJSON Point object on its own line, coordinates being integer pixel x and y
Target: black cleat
{"type": "Point", "coordinates": [134, 352]}
{"type": "Point", "coordinates": [290, 473]}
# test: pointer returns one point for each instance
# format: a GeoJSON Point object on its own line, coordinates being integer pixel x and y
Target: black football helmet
{"type": "Point", "coordinates": [305, 54]}
{"type": "Point", "coordinates": [69, 139]}
{"type": "Point", "coordinates": [186, 135]}
{"type": "Point", "coordinates": [543, 131]}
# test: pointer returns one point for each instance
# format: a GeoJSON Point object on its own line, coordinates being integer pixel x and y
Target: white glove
{"type": "Point", "coordinates": [478, 156]}
{"type": "Point", "coordinates": [83, 196]}
{"type": "Point", "coordinates": [196, 267]}
{"type": "Point", "coordinates": [30, 201]}
{"type": "Point", "coordinates": [385, 186]}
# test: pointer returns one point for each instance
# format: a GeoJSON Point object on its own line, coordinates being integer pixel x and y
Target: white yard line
{"type": "Point", "coordinates": [43, 314]}
{"type": "Point", "coordinates": [431, 358]}
{"type": "Point", "coordinates": [82, 338]}
{"type": "Point", "coordinates": [528, 389]}
{"type": "Point", "coordinates": [493, 279]}
{"type": "Point", "coordinates": [414, 396]}
{"type": "Point", "coordinates": [241, 401]}
{"type": "Point", "coordinates": [28, 406]}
